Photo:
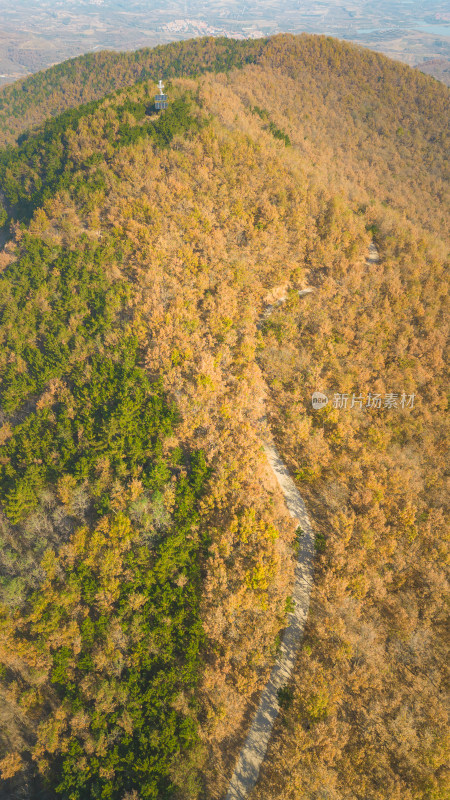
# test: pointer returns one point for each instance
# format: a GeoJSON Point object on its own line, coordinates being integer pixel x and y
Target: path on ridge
{"type": "Point", "coordinates": [253, 751]}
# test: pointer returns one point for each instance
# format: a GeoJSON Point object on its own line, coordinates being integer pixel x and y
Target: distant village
{"type": "Point", "coordinates": [198, 27]}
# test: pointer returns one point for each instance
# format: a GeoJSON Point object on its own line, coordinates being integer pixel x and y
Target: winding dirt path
{"type": "Point", "coordinates": [252, 754]}
{"type": "Point", "coordinates": [246, 771]}
{"type": "Point", "coordinates": [254, 749]}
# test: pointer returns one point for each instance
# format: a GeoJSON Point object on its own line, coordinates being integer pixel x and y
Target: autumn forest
{"type": "Point", "coordinates": [147, 554]}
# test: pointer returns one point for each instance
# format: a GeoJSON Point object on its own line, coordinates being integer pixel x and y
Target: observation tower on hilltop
{"type": "Point", "coordinates": [161, 99]}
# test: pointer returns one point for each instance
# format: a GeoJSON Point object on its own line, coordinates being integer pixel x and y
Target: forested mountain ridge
{"type": "Point", "coordinates": [89, 77]}
{"type": "Point", "coordinates": [29, 101]}
{"type": "Point", "coordinates": [147, 557]}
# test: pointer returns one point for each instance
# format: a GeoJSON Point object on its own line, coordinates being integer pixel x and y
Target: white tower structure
{"type": "Point", "coordinates": [161, 99]}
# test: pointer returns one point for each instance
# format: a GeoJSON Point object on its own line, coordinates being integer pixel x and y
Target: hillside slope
{"type": "Point", "coordinates": [370, 77]}
{"type": "Point", "coordinates": [29, 101]}
{"type": "Point", "coordinates": [147, 555]}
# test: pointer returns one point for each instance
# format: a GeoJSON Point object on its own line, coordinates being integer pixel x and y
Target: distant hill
{"type": "Point", "coordinates": [438, 68]}
{"type": "Point", "coordinates": [146, 554]}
